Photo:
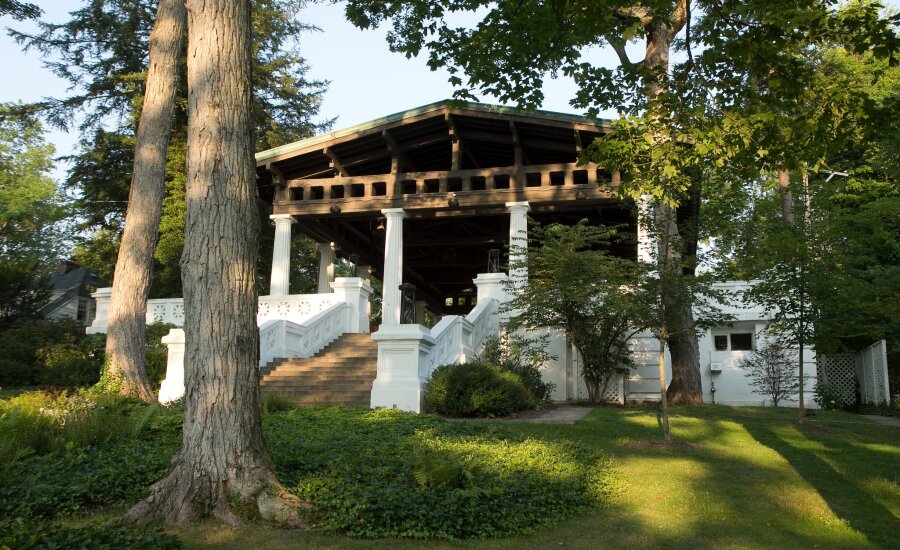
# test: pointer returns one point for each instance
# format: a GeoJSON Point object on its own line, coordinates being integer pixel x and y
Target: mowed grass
{"type": "Point", "coordinates": [741, 478]}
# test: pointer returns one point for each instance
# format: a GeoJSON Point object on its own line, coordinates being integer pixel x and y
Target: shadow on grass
{"type": "Point", "coordinates": [823, 462]}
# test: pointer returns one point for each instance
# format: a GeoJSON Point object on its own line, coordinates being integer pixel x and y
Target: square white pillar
{"type": "Point", "coordinates": [393, 267]}
{"type": "Point", "coordinates": [172, 387]}
{"type": "Point", "coordinates": [326, 267]}
{"type": "Point", "coordinates": [403, 367]}
{"type": "Point", "coordinates": [355, 292]}
{"type": "Point", "coordinates": [281, 255]}
{"type": "Point", "coordinates": [518, 241]}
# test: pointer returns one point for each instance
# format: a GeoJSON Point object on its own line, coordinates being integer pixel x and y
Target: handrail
{"type": "Point", "coordinates": [294, 307]}
{"type": "Point", "coordinates": [458, 339]}
{"type": "Point", "coordinates": [280, 338]}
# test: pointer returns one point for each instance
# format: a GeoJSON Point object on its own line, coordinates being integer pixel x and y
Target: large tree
{"type": "Point", "coordinates": [126, 326]}
{"type": "Point", "coordinates": [103, 61]}
{"type": "Point", "coordinates": [517, 43]}
{"type": "Point", "coordinates": [223, 468]}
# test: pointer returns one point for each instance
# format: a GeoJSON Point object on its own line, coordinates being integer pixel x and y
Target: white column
{"type": "Point", "coordinates": [326, 267]}
{"type": "Point", "coordinates": [172, 388]}
{"type": "Point", "coordinates": [393, 267]}
{"type": "Point", "coordinates": [518, 241]}
{"type": "Point", "coordinates": [646, 244]}
{"type": "Point", "coordinates": [102, 296]}
{"type": "Point", "coordinates": [281, 255]}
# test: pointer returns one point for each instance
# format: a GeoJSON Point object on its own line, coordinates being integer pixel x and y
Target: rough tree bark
{"type": "Point", "coordinates": [126, 337]}
{"type": "Point", "coordinates": [685, 386]}
{"type": "Point", "coordinates": [223, 468]}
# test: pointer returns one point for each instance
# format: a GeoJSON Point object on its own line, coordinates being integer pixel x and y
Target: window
{"type": "Point", "coordinates": [82, 314]}
{"type": "Point", "coordinates": [741, 341]}
{"type": "Point", "coordinates": [721, 342]}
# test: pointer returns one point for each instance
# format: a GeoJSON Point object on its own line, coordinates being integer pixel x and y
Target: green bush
{"type": "Point", "coordinates": [40, 422]}
{"type": "Point", "coordinates": [827, 396]}
{"type": "Point", "coordinates": [59, 353]}
{"type": "Point", "coordinates": [524, 357]}
{"type": "Point", "coordinates": [386, 473]}
{"type": "Point", "coordinates": [55, 353]}
{"type": "Point", "coordinates": [475, 389]}
{"type": "Point", "coordinates": [22, 535]}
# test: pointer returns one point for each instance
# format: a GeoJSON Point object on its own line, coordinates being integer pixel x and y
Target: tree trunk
{"type": "Point", "coordinates": [685, 386]}
{"type": "Point", "coordinates": [223, 468]}
{"type": "Point", "coordinates": [787, 199]}
{"type": "Point", "coordinates": [126, 337]}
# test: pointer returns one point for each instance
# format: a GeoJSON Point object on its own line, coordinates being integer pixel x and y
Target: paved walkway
{"type": "Point", "coordinates": [883, 420]}
{"type": "Point", "coordinates": [561, 415]}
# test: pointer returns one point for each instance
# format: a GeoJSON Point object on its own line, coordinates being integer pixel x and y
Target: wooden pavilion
{"type": "Point", "coordinates": [460, 177]}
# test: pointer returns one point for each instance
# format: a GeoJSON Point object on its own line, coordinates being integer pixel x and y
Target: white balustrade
{"type": "Point", "coordinates": [279, 338]}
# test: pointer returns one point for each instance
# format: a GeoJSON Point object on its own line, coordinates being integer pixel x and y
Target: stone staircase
{"type": "Point", "coordinates": [342, 372]}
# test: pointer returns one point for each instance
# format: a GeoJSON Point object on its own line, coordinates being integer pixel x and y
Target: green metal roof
{"type": "Point", "coordinates": [431, 107]}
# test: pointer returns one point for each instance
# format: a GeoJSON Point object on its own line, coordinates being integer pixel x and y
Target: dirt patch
{"type": "Point", "coordinates": [662, 444]}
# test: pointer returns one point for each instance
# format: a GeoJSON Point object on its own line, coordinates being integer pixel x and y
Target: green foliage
{"type": "Point", "coordinates": [270, 403]}
{"type": "Point", "coordinates": [386, 473]}
{"type": "Point", "coordinates": [524, 357]}
{"type": "Point", "coordinates": [367, 473]}
{"type": "Point", "coordinates": [31, 209]}
{"type": "Point", "coordinates": [827, 396]}
{"type": "Point", "coordinates": [22, 535]}
{"type": "Point", "coordinates": [55, 353]}
{"type": "Point", "coordinates": [59, 353]}
{"type": "Point", "coordinates": [476, 389]}
{"type": "Point", "coordinates": [577, 286]}
{"type": "Point", "coordinates": [37, 423]}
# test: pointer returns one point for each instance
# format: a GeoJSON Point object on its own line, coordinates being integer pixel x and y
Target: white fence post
{"type": "Point", "coordinates": [172, 387]}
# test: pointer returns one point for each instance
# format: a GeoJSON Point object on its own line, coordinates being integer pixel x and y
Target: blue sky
{"type": "Point", "coordinates": [367, 80]}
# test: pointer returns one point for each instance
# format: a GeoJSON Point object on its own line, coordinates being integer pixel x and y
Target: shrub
{"type": "Point", "coordinates": [475, 389]}
{"type": "Point", "coordinates": [524, 357]}
{"type": "Point", "coordinates": [59, 353]}
{"type": "Point", "coordinates": [39, 422]}
{"type": "Point", "coordinates": [24, 535]}
{"type": "Point", "coordinates": [772, 373]}
{"type": "Point", "coordinates": [827, 396]}
{"type": "Point", "coordinates": [273, 402]}
{"type": "Point", "coordinates": [46, 352]}
{"type": "Point", "coordinates": [387, 473]}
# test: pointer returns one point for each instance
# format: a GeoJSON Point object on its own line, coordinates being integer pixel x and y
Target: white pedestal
{"type": "Point", "coordinates": [402, 367]}
{"type": "Point", "coordinates": [102, 296]}
{"type": "Point", "coordinates": [172, 387]}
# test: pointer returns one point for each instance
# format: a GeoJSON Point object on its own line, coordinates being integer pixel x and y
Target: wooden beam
{"type": "Point", "coordinates": [335, 162]}
{"type": "Point", "coordinates": [519, 153]}
{"type": "Point", "coordinates": [397, 151]}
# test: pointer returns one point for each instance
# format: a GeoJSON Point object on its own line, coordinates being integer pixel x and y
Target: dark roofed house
{"type": "Point", "coordinates": [71, 297]}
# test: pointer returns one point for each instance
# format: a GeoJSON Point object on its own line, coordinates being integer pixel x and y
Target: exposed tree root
{"type": "Point", "coordinates": [188, 494]}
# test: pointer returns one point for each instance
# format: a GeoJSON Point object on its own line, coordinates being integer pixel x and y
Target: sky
{"type": "Point", "coordinates": [367, 80]}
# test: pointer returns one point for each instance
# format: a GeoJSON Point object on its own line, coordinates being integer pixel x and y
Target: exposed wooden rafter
{"type": "Point", "coordinates": [334, 162]}
{"type": "Point", "coordinates": [398, 152]}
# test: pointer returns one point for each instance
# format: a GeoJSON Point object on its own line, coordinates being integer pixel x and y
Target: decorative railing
{"type": "Point", "coordinates": [279, 338]}
{"type": "Point", "coordinates": [294, 308]}
{"type": "Point", "coordinates": [458, 339]}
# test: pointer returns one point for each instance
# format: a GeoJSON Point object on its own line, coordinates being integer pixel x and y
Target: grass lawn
{"type": "Point", "coordinates": [745, 478]}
